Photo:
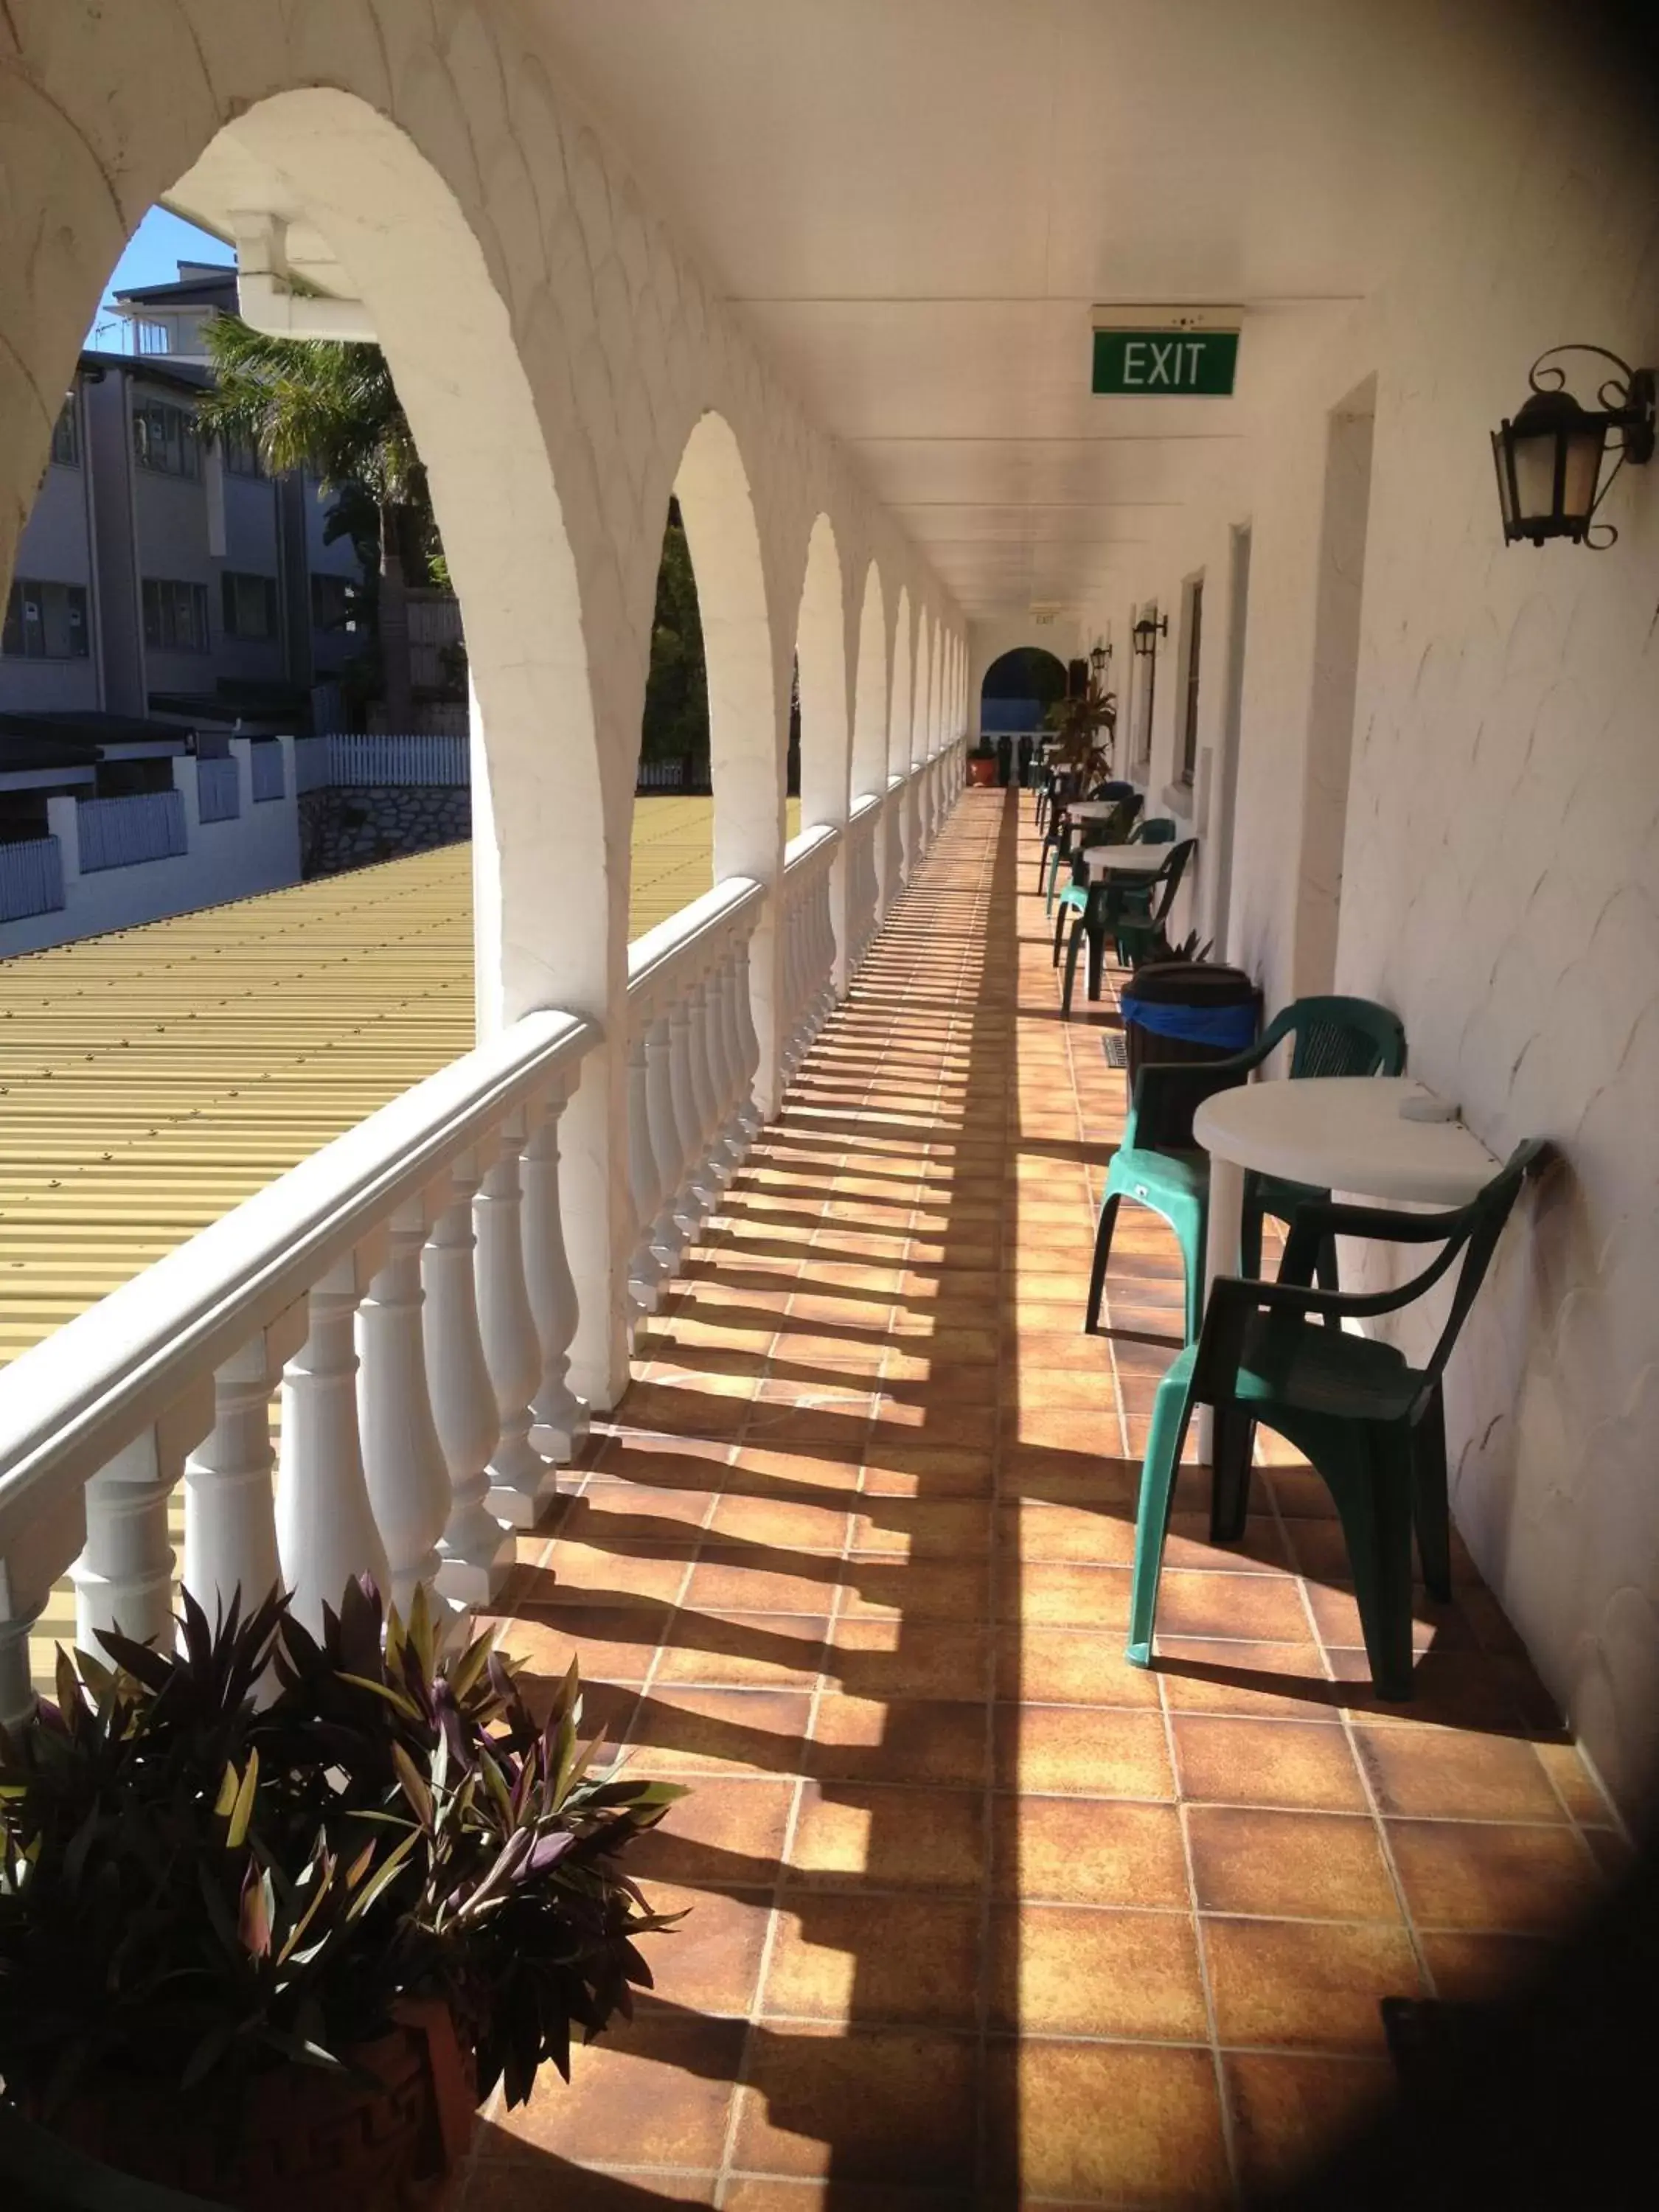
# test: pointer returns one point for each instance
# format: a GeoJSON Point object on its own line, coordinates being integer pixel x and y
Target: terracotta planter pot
{"type": "Point", "coordinates": [982, 771]}
{"type": "Point", "coordinates": [303, 2141]}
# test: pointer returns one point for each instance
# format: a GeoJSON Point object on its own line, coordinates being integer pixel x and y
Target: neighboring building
{"type": "Point", "coordinates": [162, 577]}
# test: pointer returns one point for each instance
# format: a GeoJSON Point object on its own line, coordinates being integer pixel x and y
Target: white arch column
{"type": "Point", "coordinates": [826, 730]}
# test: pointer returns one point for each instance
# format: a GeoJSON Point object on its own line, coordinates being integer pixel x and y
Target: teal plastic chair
{"type": "Point", "coordinates": [1158, 1165]}
{"type": "Point", "coordinates": [1069, 838]}
{"type": "Point", "coordinates": [1370, 1425]}
{"type": "Point", "coordinates": [1104, 915]}
{"type": "Point", "coordinates": [1156, 829]}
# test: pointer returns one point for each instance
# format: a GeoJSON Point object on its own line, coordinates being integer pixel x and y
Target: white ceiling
{"type": "Point", "coordinates": [916, 203]}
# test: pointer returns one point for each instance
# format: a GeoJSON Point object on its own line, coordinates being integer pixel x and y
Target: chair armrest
{"type": "Point", "coordinates": [1234, 1300]}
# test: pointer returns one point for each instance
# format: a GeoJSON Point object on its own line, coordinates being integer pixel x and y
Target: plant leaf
{"type": "Point", "coordinates": [241, 1817]}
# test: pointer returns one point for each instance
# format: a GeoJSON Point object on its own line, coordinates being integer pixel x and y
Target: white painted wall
{"type": "Point", "coordinates": [257, 851]}
{"type": "Point", "coordinates": [1500, 868]}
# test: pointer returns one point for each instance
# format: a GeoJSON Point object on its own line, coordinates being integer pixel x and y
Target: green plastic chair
{"type": "Point", "coordinates": [1156, 829]}
{"type": "Point", "coordinates": [1158, 1165]}
{"type": "Point", "coordinates": [1370, 1425]}
{"type": "Point", "coordinates": [1068, 838]}
{"type": "Point", "coordinates": [1102, 916]}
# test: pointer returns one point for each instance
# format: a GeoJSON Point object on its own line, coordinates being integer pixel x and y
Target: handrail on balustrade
{"type": "Point", "coordinates": [70, 1403]}
{"type": "Point", "coordinates": [819, 838]}
{"type": "Point", "coordinates": [687, 934]}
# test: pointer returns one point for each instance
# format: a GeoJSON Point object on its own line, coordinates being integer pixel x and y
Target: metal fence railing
{"type": "Point", "coordinates": [119, 833]}
{"type": "Point", "coordinates": [218, 791]}
{"type": "Point", "coordinates": [265, 766]}
{"type": "Point", "coordinates": [31, 879]}
{"type": "Point", "coordinates": [385, 759]}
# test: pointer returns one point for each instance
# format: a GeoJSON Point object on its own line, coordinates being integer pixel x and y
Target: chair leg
{"type": "Point", "coordinates": [1042, 861]}
{"type": "Point", "coordinates": [1071, 951]}
{"type": "Point", "coordinates": [1430, 1508]}
{"type": "Point", "coordinates": [1060, 931]}
{"type": "Point", "coordinates": [1326, 1276]}
{"type": "Point", "coordinates": [1171, 1411]}
{"type": "Point", "coordinates": [1230, 1489]}
{"type": "Point", "coordinates": [1375, 1511]}
{"type": "Point", "coordinates": [1249, 1235]}
{"type": "Point", "coordinates": [1109, 1206]}
{"type": "Point", "coordinates": [1096, 960]}
{"type": "Point", "coordinates": [1194, 1241]}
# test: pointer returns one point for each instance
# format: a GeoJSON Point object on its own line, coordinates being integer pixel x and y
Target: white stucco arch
{"type": "Point", "coordinates": [870, 695]}
{"type": "Point", "coordinates": [821, 651]}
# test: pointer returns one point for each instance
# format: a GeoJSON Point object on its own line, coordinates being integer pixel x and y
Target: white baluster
{"type": "Point", "coordinates": [404, 1462]}
{"type": "Point", "coordinates": [645, 1269]}
{"type": "Point", "coordinates": [476, 1551]}
{"type": "Point", "coordinates": [18, 1616]}
{"type": "Point", "coordinates": [826, 913]}
{"type": "Point", "coordinates": [230, 1478]}
{"type": "Point", "coordinates": [325, 1531]}
{"type": "Point", "coordinates": [123, 1577]}
{"type": "Point", "coordinates": [699, 1034]}
{"type": "Point", "coordinates": [749, 1038]}
{"type": "Point", "coordinates": [733, 1136]}
{"type": "Point", "coordinates": [690, 1208]}
{"type": "Point", "coordinates": [521, 1483]}
{"type": "Point", "coordinates": [560, 1418]}
{"type": "Point", "coordinates": [667, 1237]}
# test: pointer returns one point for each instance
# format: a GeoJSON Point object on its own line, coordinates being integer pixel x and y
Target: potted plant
{"type": "Point", "coordinates": [276, 1911]}
{"type": "Point", "coordinates": [983, 762]}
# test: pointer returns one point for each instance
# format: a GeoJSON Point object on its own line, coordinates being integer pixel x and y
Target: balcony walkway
{"type": "Point", "coordinates": [978, 1912]}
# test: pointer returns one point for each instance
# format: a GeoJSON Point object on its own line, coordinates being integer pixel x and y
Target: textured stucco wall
{"type": "Point", "coordinates": [1500, 875]}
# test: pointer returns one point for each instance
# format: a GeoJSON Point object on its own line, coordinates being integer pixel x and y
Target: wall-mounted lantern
{"type": "Point", "coordinates": [1147, 632]}
{"type": "Point", "coordinates": [1101, 653]}
{"type": "Point", "coordinates": [1549, 459]}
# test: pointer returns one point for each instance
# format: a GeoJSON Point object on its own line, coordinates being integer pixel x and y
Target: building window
{"type": "Point", "coordinates": [250, 605]}
{"type": "Point", "coordinates": [165, 438]}
{"type": "Point", "coordinates": [66, 435]}
{"type": "Point", "coordinates": [154, 337]}
{"type": "Point", "coordinates": [175, 615]}
{"type": "Point", "coordinates": [1194, 632]}
{"type": "Point", "coordinates": [45, 622]}
{"type": "Point", "coordinates": [333, 602]}
{"type": "Point", "coordinates": [241, 454]}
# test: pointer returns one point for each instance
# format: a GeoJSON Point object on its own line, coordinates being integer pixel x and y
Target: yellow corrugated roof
{"type": "Point", "coordinates": [151, 1079]}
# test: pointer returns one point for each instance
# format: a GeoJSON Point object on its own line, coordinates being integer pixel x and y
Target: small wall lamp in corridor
{"type": "Point", "coordinates": [1147, 632]}
{"type": "Point", "coordinates": [1100, 654]}
{"type": "Point", "coordinates": [1550, 480]}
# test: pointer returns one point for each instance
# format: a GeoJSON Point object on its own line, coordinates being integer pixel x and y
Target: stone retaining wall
{"type": "Point", "coordinates": [349, 826]}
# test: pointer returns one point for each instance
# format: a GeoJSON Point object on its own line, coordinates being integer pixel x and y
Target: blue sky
{"type": "Point", "coordinates": [152, 256]}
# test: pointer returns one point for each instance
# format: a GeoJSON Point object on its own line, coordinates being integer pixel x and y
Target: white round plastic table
{"type": "Point", "coordinates": [1124, 859]}
{"type": "Point", "coordinates": [1090, 810]}
{"type": "Point", "coordinates": [1340, 1133]}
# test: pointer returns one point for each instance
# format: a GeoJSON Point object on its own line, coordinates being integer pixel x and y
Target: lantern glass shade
{"type": "Point", "coordinates": [1549, 464]}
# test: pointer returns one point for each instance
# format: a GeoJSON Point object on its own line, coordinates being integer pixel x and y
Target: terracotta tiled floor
{"type": "Point", "coordinates": [981, 1914]}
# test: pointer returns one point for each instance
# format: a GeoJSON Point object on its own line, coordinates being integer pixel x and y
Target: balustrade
{"type": "Point", "coordinates": [404, 1293]}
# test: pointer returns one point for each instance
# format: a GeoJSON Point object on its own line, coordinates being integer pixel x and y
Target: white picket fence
{"type": "Point", "coordinates": [119, 833]}
{"type": "Point", "coordinates": [218, 795]}
{"type": "Point", "coordinates": [384, 759]}
{"type": "Point", "coordinates": [31, 878]}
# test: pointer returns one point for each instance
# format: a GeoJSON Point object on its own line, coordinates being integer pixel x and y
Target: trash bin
{"type": "Point", "coordinates": [1027, 745]}
{"type": "Point", "coordinates": [1189, 1011]}
{"type": "Point", "coordinates": [1004, 760]}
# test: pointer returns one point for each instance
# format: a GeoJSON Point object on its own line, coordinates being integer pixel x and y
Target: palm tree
{"type": "Point", "coordinates": [332, 408]}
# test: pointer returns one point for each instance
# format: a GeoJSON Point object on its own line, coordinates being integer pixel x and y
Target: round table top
{"type": "Point", "coordinates": [1091, 809]}
{"type": "Point", "coordinates": [1345, 1133]}
{"type": "Point", "coordinates": [1125, 859]}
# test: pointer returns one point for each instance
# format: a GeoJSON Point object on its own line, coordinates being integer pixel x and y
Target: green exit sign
{"type": "Point", "coordinates": [1163, 363]}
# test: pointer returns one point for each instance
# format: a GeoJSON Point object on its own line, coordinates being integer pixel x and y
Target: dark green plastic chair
{"type": "Point", "coordinates": [1068, 838]}
{"type": "Point", "coordinates": [1156, 829]}
{"type": "Point", "coordinates": [1102, 916]}
{"type": "Point", "coordinates": [1158, 1165]}
{"type": "Point", "coordinates": [1369, 1423]}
